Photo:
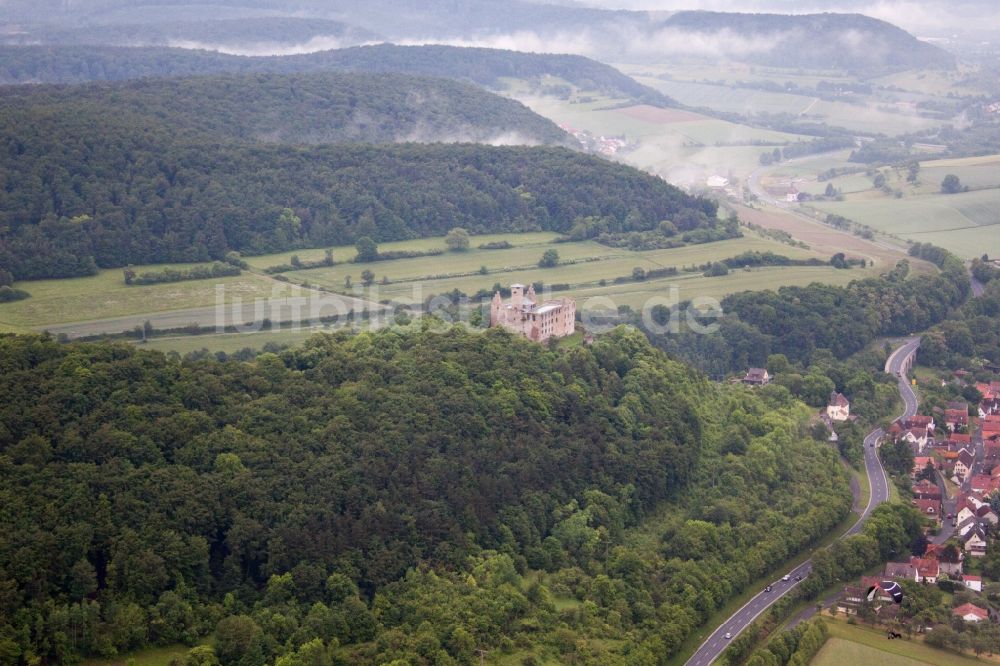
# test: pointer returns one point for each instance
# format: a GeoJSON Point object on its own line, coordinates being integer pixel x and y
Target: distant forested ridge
{"type": "Point", "coordinates": [83, 186]}
{"type": "Point", "coordinates": [819, 41]}
{"type": "Point", "coordinates": [485, 67]}
{"type": "Point", "coordinates": [412, 495]}
{"type": "Point", "coordinates": [315, 107]}
{"type": "Point", "coordinates": [250, 33]}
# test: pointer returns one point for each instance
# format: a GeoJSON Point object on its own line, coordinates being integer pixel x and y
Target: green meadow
{"type": "Point", "coordinates": [968, 223]}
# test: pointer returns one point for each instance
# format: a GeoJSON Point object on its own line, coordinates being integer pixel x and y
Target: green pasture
{"type": "Point", "coordinates": [347, 252]}
{"type": "Point", "coordinates": [857, 644]}
{"type": "Point", "coordinates": [413, 279]}
{"type": "Point", "coordinates": [968, 224]}
{"type": "Point", "coordinates": [106, 295]}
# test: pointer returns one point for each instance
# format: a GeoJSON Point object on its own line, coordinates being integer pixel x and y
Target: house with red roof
{"type": "Point", "coordinates": [928, 569]}
{"type": "Point", "coordinates": [950, 558]}
{"type": "Point", "coordinates": [920, 463]}
{"type": "Point", "coordinates": [970, 613]}
{"type": "Point", "coordinates": [984, 484]}
{"type": "Point", "coordinates": [955, 419]}
{"type": "Point", "coordinates": [926, 490]}
{"type": "Point", "coordinates": [929, 508]}
{"type": "Point", "coordinates": [919, 421]}
{"type": "Point", "coordinates": [974, 583]}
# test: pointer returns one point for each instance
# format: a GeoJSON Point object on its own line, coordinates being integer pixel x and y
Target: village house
{"type": "Point", "coordinates": [839, 408]}
{"type": "Point", "coordinates": [972, 535]}
{"type": "Point", "coordinates": [850, 599]}
{"type": "Point", "coordinates": [920, 463]}
{"type": "Point", "coordinates": [928, 569]}
{"type": "Point", "coordinates": [929, 508]}
{"type": "Point", "coordinates": [963, 466]}
{"type": "Point", "coordinates": [974, 583]}
{"type": "Point", "coordinates": [990, 404]}
{"type": "Point", "coordinates": [991, 426]}
{"type": "Point", "coordinates": [916, 438]}
{"type": "Point", "coordinates": [991, 451]}
{"type": "Point", "coordinates": [900, 571]}
{"type": "Point", "coordinates": [984, 484]}
{"type": "Point", "coordinates": [950, 558]}
{"type": "Point", "coordinates": [970, 613]}
{"type": "Point", "coordinates": [926, 490]}
{"type": "Point", "coordinates": [973, 506]}
{"type": "Point", "coordinates": [757, 377]}
{"type": "Point", "coordinates": [522, 314]}
{"type": "Point", "coordinates": [956, 419]}
{"type": "Point", "coordinates": [919, 421]}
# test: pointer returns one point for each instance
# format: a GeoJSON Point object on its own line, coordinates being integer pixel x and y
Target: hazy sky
{"type": "Point", "coordinates": [924, 17]}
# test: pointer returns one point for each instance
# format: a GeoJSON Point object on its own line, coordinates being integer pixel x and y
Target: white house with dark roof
{"type": "Point", "coordinates": [839, 408]}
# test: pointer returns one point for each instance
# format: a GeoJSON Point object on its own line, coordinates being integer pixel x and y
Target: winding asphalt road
{"type": "Point", "coordinates": [897, 364]}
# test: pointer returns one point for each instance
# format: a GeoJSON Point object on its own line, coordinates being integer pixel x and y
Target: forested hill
{"type": "Point", "coordinates": [409, 496]}
{"type": "Point", "coordinates": [79, 185]}
{"type": "Point", "coordinates": [486, 67]}
{"type": "Point", "coordinates": [319, 107]}
{"type": "Point", "coordinates": [822, 41]}
{"type": "Point", "coordinates": [242, 34]}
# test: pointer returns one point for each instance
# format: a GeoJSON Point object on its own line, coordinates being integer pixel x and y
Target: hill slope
{"type": "Point", "coordinates": [320, 107]}
{"type": "Point", "coordinates": [85, 180]}
{"type": "Point", "coordinates": [485, 67]}
{"type": "Point", "coordinates": [383, 497]}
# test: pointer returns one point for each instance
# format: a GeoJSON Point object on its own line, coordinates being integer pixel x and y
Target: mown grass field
{"type": "Point", "coordinates": [106, 295]}
{"type": "Point", "coordinates": [968, 224]}
{"type": "Point", "coordinates": [856, 644]}
{"type": "Point", "coordinates": [411, 280]}
{"type": "Point", "coordinates": [347, 252]}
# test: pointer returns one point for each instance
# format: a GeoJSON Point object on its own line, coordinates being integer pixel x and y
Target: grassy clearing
{"type": "Point", "coordinates": [106, 295]}
{"type": "Point", "coordinates": [849, 641]}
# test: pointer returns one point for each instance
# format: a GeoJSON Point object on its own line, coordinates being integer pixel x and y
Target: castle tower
{"type": "Point", "coordinates": [531, 294]}
{"type": "Point", "coordinates": [517, 295]}
{"type": "Point", "coordinates": [496, 310]}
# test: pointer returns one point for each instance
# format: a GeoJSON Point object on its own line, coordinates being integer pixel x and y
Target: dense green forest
{"type": "Point", "coordinates": [415, 495]}
{"type": "Point", "coordinates": [485, 67]}
{"type": "Point", "coordinates": [970, 337]}
{"type": "Point", "coordinates": [81, 187]}
{"type": "Point", "coordinates": [318, 107]}
{"type": "Point", "coordinates": [823, 320]}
